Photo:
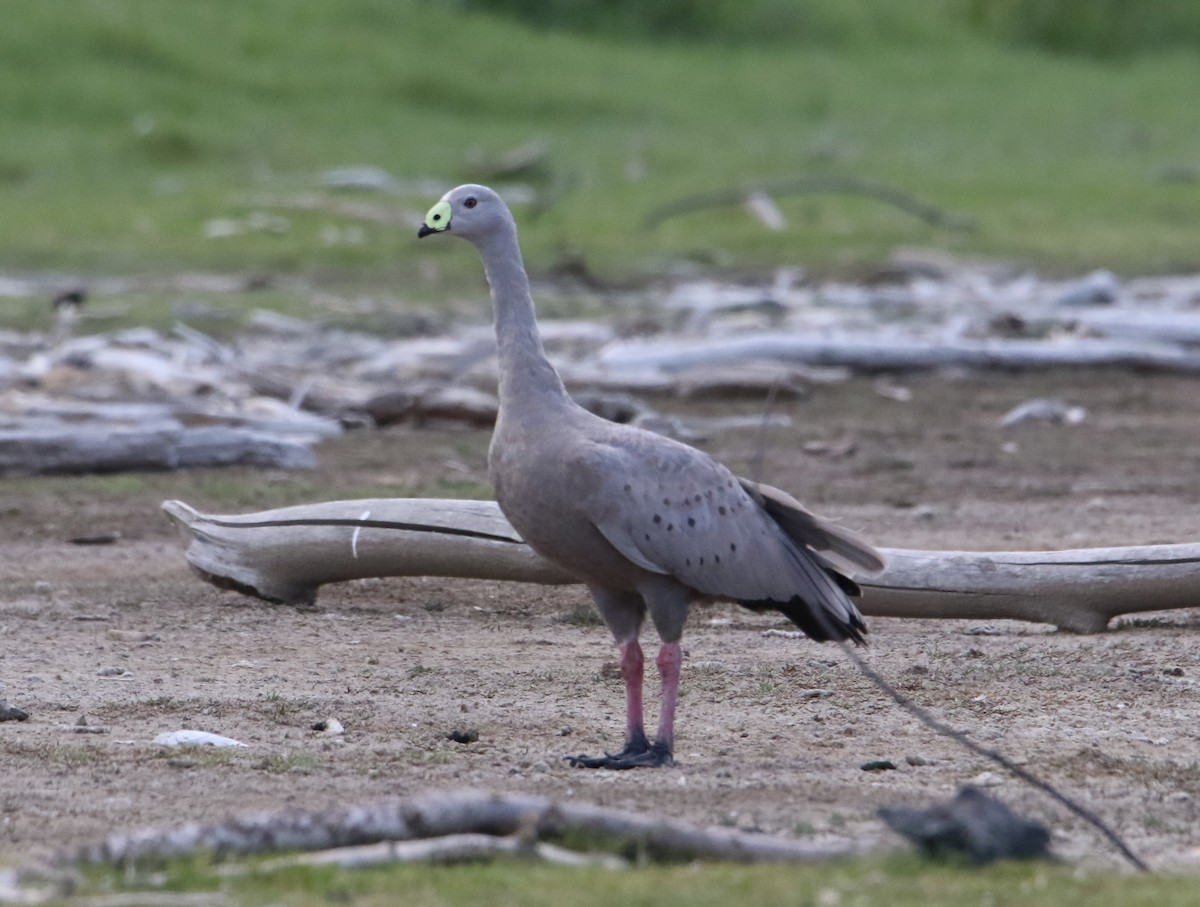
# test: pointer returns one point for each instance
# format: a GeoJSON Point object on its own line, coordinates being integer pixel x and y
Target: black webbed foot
{"type": "Point", "coordinates": [638, 753]}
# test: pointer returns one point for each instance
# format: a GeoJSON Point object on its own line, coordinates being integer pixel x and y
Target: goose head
{"type": "Point", "coordinates": [468, 211]}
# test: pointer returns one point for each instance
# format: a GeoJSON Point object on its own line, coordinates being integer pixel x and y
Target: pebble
{"type": "Point", "coordinates": [195, 738]}
{"type": "Point", "coordinates": [1055, 411]}
{"type": "Point", "coordinates": [458, 735]}
{"type": "Point", "coordinates": [878, 765]}
{"type": "Point", "coordinates": [129, 636]}
{"type": "Point", "coordinates": [10, 712]}
{"type": "Point", "coordinates": [815, 694]}
{"type": "Point", "coordinates": [329, 726]}
{"type": "Point", "coordinates": [99, 538]}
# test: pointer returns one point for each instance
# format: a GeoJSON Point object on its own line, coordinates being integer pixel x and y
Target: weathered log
{"type": "Point", "coordinates": [1148, 325]}
{"type": "Point", "coordinates": [261, 414]}
{"type": "Point", "coordinates": [428, 402]}
{"type": "Point", "coordinates": [875, 353]}
{"type": "Point", "coordinates": [42, 449]}
{"type": "Point", "coordinates": [456, 813]}
{"type": "Point", "coordinates": [80, 449]}
{"type": "Point", "coordinates": [286, 555]}
{"type": "Point", "coordinates": [461, 848]}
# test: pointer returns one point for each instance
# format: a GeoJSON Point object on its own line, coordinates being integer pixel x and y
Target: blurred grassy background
{"type": "Point", "coordinates": [135, 130]}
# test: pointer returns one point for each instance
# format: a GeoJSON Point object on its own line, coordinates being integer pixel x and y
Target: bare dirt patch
{"type": "Point", "coordinates": [124, 636]}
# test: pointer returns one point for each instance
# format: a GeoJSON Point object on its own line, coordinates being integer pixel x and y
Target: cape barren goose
{"type": "Point", "coordinates": [647, 523]}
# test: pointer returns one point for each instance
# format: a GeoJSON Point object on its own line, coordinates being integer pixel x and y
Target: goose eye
{"type": "Point", "coordinates": [470, 202]}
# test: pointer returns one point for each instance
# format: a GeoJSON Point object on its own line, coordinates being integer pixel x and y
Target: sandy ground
{"type": "Point", "coordinates": [125, 638]}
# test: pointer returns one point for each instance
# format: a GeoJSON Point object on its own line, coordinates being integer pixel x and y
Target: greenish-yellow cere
{"type": "Point", "coordinates": [438, 217]}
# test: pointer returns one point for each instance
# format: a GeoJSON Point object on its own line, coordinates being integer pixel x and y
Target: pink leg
{"type": "Point", "coordinates": [669, 658]}
{"type": "Point", "coordinates": [631, 669]}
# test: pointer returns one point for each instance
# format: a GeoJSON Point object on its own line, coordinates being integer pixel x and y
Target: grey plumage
{"type": "Point", "coordinates": [647, 523]}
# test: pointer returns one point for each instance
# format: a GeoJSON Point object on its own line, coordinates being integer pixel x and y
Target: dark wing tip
{"type": "Point", "coordinates": [819, 624]}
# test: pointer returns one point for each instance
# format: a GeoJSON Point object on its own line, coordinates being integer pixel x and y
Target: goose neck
{"type": "Point", "coordinates": [525, 372]}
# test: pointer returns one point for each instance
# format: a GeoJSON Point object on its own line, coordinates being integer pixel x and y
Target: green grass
{"type": "Point", "coordinates": [896, 881]}
{"type": "Point", "coordinates": [129, 125]}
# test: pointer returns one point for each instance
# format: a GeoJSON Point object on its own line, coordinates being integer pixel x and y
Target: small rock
{"type": "Point", "coordinates": [10, 712]}
{"type": "Point", "coordinates": [815, 694]}
{"type": "Point", "coordinates": [917, 761]}
{"type": "Point", "coordinates": [100, 538]}
{"type": "Point", "coordinates": [1045, 409]}
{"type": "Point", "coordinates": [1173, 672]}
{"type": "Point", "coordinates": [972, 824]}
{"type": "Point", "coordinates": [195, 738]}
{"type": "Point", "coordinates": [129, 636]}
{"type": "Point", "coordinates": [458, 735]}
{"type": "Point", "coordinates": [88, 729]}
{"type": "Point", "coordinates": [878, 765]}
{"type": "Point", "coordinates": [111, 671]}
{"type": "Point", "coordinates": [330, 726]}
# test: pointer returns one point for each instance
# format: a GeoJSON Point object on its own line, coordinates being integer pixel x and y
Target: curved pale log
{"type": "Point", "coordinates": [286, 555]}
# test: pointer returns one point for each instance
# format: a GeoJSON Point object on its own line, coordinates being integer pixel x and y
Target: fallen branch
{"type": "Point", "coordinates": [811, 185]}
{"type": "Point", "coordinates": [286, 555]}
{"type": "Point", "coordinates": [873, 353]}
{"type": "Point", "coordinates": [73, 449]}
{"type": "Point", "coordinates": [433, 816]}
{"type": "Point", "coordinates": [462, 848]}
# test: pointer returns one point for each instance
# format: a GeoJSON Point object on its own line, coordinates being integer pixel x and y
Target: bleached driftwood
{"type": "Point", "coordinates": [462, 848]}
{"type": "Point", "coordinates": [286, 555]}
{"type": "Point", "coordinates": [437, 815]}
{"type": "Point", "coordinates": [166, 445]}
{"type": "Point", "coordinates": [874, 353]}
